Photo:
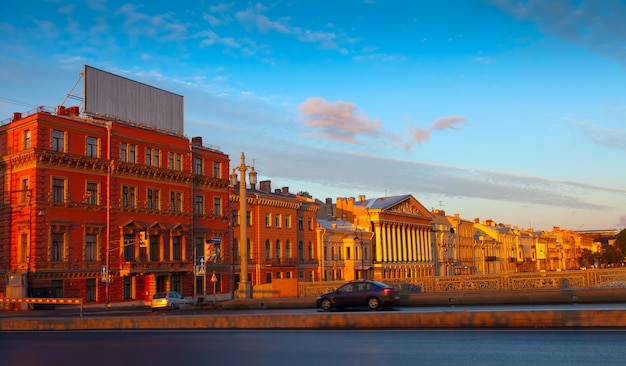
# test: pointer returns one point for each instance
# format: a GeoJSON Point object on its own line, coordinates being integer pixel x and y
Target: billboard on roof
{"type": "Point", "coordinates": [111, 95]}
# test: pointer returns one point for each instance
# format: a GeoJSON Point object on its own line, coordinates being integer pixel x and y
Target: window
{"type": "Point", "coordinates": [198, 207]}
{"type": "Point", "coordinates": [24, 190]}
{"type": "Point", "coordinates": [170, 160]}
{"type": "Point", "coordinates": [92, 147]}
{"type": "Point", "coordinates": [58, 190]}
{"type": "Point", "coordinates": [236, 249]}
{"type": "Point", "coordinates": [300, 223]}
{"type": "Point", "coordinates": [58, 141]}
{"type": "Point", "coordinates": [235, 217]}
{"type": "Point", "coordinates": [287, 249]}
{"type": "Point", "coordinates": [278, 218]}
{"type": "Point", "coordinates": [132, 153]}
{"type": "Point", "coordinates": [127, 287]}
{"type": "Point", "coordinates": [56, 247]}
{"type": "Point", "coordinates": [177, 248]}
{"type": "Point", "coordinates": [197, 166]}
{"type": "Point", "coordinates": [309, 223]}
{"type": "Point", "coordinates": [300, 250]}
{"type": "Point", "coordinates": [176, 202]}
{"type": "Point", "coordinates": [91, 194]}
{"type": "Point", "coordinates": [268, 277]}
{"type": "Point", "coordinates": [156, 161]}
{"type": "Point", "coordinates": [155, 254]}
{"type": "Point", "coordinates": [268, 219]}
{"type": "Point", "coordinates": [26, 139]}
{"type": "Point", "coordinates": [128, 197]}
{"type": "Point", "coordinates": [248, 218]}
{"type": "Point", "coordinates": [91, 253]}
{"type": "Point", "coordinates": [179, 162]}
{"type": "Point", "coordinates": [23, 248]}
{"type": "Point", "coordinates": [287, 221]}
{"type": "Point", "coordinates": [176, 283]}
{"type": "Point", "coordinates": [217, 170]}
{"type": "Point", "coordinates": [129, 247]}
{"type": "Point", "coordinates": [128, 152]}
{"type": "Point", "coordinates": [90, 290]}
{"type": "Point", "coordinates": [277, 249]}
{"type": "Point", "coordinates": [268, 250]}
{"type": "Point", "coordinates": [148, 156]}
{"type": "Point", "coordinates": [217, 207]}
{"type": "Point", "coordinates": [310, 251]}
{"type": "Point", "coordinates": [153, 202]}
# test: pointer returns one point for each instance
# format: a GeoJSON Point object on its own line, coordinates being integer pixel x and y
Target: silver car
{"type": "Point", "coordinates": [170, 300]}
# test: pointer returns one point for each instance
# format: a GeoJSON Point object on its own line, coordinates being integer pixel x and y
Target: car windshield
{"type": "Point", "coordinates": [160, 295]}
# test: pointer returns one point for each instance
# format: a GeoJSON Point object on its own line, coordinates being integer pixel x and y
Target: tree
{"type": "Point", "coordinates": [304, 194]}
{"type": "Point", "coordinates": [620, 241]}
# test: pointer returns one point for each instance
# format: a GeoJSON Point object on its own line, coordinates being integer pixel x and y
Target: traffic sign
{"type": "Point", "coordinates": [214, 278]}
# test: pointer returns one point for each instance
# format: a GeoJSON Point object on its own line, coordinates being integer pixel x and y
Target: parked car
{"type": "Point", "coordinates": [170, 300]}
{"type": "Point", "coordinates": [372, 294]}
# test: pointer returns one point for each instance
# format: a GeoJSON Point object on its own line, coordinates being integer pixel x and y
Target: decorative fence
{"type": "Point", "coordinates": [598, 278]}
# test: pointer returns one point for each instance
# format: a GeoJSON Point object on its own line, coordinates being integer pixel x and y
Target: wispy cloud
{"type": "Point", "coordinates": [421, 135]}
{"type": "Point", "coordinates": [254, 19]}
{"type": "Point", "coordinates": [598, 26]}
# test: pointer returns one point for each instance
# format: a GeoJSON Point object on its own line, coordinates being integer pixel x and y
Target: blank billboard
{"type": "Point", "coordinates": [129, 100]}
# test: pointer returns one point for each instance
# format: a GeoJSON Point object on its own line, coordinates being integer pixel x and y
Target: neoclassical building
{"type": "Point", "coordinates": [400, 231]}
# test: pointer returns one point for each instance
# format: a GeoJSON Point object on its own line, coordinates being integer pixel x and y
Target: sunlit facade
{"type": "Point", "coordinates": [107, 210]}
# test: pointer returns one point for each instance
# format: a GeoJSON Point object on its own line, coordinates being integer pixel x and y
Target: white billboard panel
{"type": "Point", "coordinates": [125, 99]}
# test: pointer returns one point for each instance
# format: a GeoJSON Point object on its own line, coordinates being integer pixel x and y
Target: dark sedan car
{"type": "Point", "coordinates": [371, 294]}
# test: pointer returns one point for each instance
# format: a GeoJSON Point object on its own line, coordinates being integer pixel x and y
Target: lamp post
{"type": "Point", "coordinates": [358, 235]}
{"type": "Point", "coordinates": [245, 290]}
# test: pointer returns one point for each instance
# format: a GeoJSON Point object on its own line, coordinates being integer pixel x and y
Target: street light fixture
{"type": "Point", "coordinates": [245, 290]}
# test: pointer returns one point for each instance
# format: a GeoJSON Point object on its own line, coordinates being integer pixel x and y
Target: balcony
{"type": "Point", "coordinates": [155, 267]}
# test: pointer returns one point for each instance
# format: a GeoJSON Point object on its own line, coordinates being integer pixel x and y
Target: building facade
{"type": "Point", "coordinates": [281, 237]}
{"type": "Point", "coordinates": [107, 210]}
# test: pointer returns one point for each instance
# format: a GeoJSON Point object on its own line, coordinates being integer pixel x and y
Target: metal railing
{"type": "Point", "coordinates": [583, 279]}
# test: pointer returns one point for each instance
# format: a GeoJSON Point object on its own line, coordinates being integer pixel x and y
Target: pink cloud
{"type": "Point", "coordinates": [420, 135]}
{"type": "Point", "coordinates": [338, 120]}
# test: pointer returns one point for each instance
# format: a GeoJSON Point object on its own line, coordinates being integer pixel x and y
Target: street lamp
{"type": "Point", "coordinates": [245, 290]}
{"type": "Point", "coordinates": [358, 235]}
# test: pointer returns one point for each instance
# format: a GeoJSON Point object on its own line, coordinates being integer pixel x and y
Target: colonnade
{"type": "Point", "coordinates": [402, 242]}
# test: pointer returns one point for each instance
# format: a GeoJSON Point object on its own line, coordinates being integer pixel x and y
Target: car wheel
{"type": "Point", "coordinates": [373, 303]}
{"type": "Point", "coordinates": [327, 304]}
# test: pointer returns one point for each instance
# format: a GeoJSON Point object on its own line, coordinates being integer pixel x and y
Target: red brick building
{"type": "Point", "coordinates": [282, 240]}
{"type": "Point", "coordinates": [108, 210]}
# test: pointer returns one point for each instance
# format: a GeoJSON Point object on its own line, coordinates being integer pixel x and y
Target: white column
{"type": "Point", "coordinates": [379, 246]}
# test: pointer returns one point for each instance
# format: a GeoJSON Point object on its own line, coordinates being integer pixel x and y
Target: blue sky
{"type": "Point", "coordinates": [506, 110]}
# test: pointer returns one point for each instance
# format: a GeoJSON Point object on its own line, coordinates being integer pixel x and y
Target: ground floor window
{"type": "Point", "coordinates": [200, 284]}
{"type": "Point", "coordinates": [176, 283]}
{"type": "Point", "coordinates": [127, 286]}
{"type": "Point", "coordinates": [90, 290]}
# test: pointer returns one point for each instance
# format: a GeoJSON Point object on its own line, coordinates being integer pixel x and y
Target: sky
{"type": "Point", "coordinates": [509, 110]}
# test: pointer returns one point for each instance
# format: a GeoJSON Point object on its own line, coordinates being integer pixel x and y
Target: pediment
{"type": "Point", "coordinates": [409, 206]}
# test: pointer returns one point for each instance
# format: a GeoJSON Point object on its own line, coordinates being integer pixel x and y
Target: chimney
{"type": "Point", "coordinates": [265, 186]}
{"type": "Point", "coordinates": [17, 116]}
{"type": "Point", "coordinates": [361, 197]}
{"type": "Point", "coordinates": [285, 190]}
{"type": "Point", "coordinates": [196, 141]}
